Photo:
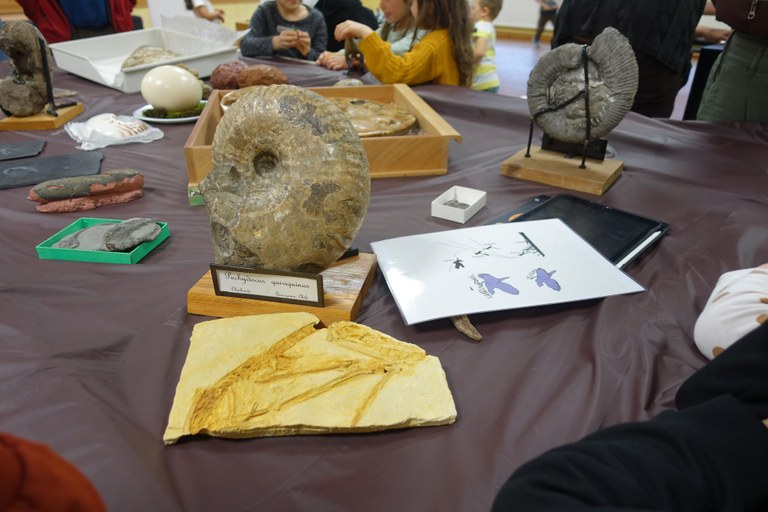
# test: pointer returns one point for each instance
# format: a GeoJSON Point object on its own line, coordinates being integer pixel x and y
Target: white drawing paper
{"type": "Point", "coordinates": [495, 267]}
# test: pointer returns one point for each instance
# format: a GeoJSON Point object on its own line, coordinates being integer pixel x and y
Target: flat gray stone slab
{"type": "Point", "coordinates": [37, 170]}
{"type": "Point", "coordinates": [13, 150]}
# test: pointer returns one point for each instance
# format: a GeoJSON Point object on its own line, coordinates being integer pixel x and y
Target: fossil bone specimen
{"type": "Point", "coordinates": [78, 193]}
{"type": "Point", "coordinates": [290, 183]}
{"type": "Point", "coordinates": [274, 375]}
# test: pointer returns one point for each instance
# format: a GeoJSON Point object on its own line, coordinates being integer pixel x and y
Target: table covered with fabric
{"type": "Point", "coordinates": [90, 353]}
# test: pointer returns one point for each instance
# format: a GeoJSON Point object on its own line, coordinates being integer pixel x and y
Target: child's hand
{"type": "Point", "coordinates": [333, 60]}
{"type": "Point", "coordinates": [285, 40]}
{"type": "Point", "coordinates": [303, 42]}
{"type": "Point", "coordinates": [349, 29]}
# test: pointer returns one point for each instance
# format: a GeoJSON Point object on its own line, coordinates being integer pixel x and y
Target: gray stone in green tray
{"type": "Point", "coordinates": [119, 236]}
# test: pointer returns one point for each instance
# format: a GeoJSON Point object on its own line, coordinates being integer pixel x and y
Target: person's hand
{"type": "Point", "coordinates": [351, 29]}
{"type": "Point", "coordinates": [217, 14]}
{"type": "Point", "coordinates": [285, 40]}
{"type": "Point", "coordinates": [712, 35]}
{"type": "Point", "coordinates": [334, 61]}
{"type": "Point", "coordinates": [303, 43]}
{"type": "Point", "coordinates": [765, 422]}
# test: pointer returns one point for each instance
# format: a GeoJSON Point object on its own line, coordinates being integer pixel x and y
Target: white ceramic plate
{"type": "Point", "coordinates": [138, 113]}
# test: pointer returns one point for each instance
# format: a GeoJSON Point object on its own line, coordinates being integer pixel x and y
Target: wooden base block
{"type": "Point", "coordinates": [344, 285]}
{"type": "Point", "coordinates": [555, 169]}
{"type": "Point", "coordinates": [42, 121]}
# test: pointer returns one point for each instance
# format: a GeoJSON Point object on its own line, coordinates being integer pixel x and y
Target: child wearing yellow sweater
{"type": "Point", "coordinates": [443, 56]}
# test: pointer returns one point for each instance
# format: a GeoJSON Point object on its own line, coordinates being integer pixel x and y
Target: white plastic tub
{"type": "Point", "coordinates": [100, 58]}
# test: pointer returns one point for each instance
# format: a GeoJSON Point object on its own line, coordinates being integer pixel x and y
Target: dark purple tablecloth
{"type": "Point", "coordinates": [91, 353]}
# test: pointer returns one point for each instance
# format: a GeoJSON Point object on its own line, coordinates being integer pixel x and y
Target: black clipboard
{"type": "Point", "coordinates": [618, 235]}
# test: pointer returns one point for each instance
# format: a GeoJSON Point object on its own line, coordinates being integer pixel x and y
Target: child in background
{"type": "Point", "coordinates": [204, 9]}
{"type": "Point", "coordinates": [443, 56]}
{"type": "Point", "coordinates": [285, 28]}
{"type": "Point", "coordinates": [484, 76]}
{"type": "Point", "coordinates": [397, 29]}
{"type": "Point", "coordinates": [547, 13]}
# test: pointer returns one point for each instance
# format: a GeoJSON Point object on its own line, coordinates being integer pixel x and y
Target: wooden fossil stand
{"type": "Point", "coordinates": [561, 170]}
{"type": "Point", "coordinates": [557, 167]}
{"type": "Point", "coordinates": [345, 283]}
{"type": "Point", "coordinates": [43, 120]}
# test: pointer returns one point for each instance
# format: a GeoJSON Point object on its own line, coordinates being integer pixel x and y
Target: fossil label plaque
{"type": "Point", "coordinates": [262, 284]}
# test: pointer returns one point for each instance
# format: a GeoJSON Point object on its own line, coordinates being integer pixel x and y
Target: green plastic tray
{"type": "Point", "coordinates": [46, 252]}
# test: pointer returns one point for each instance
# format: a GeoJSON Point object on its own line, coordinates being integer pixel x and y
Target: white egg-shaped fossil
{"type": "Point", "coordinates": [171, 88]}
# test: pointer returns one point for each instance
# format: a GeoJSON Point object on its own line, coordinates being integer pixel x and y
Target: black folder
{"type": "Point", "coordinates": [618, 235]}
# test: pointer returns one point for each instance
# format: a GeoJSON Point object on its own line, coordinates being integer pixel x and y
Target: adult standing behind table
{"type": "Point", "coordinates": [336, 11]}
{"type": "Point", "coordinates": [737, 88]}
{"type": "Point", "coordinates": [661, 33]}
{"type": "Point", "coordinates": [63, 20]}
{"type": "Point", "coordinates": [285, 28]}
{"type": "Point", "coordinates": [547, 14]}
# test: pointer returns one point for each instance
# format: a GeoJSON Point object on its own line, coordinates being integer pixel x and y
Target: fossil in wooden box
{"type": "Point", "coordinates": [275, 375]}
{"type": "Point", "coordinates": [375, 119]}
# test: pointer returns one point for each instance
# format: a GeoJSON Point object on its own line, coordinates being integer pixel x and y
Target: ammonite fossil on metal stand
{"type": "Point", "coordinates": [579, 93]}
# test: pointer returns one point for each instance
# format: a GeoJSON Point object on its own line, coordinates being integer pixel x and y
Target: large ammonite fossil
{"type": "Point", "coordinates": [557, 84]}
{"type": "Point", "coordinates": [290, 183]}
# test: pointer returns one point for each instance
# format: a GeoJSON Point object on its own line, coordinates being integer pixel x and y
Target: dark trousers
{"type": "Point", "coordinates": [544, 18]}
{"type": "Point", "coordinates": [657, 87]}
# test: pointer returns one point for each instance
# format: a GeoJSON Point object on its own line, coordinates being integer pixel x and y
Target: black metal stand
{"type": "Point", "coordinates": [586, 147]}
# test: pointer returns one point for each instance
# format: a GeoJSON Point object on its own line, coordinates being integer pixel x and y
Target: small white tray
{"type": "Point", "coordinates": [473, 199]}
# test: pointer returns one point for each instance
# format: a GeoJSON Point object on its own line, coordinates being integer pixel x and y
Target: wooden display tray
{"type": "Point", "coordinates": [396, 156]}
{"type": "Point", "coordinates": [42, 121]}
{"type": "Point", "coordinates": [555, 169]}
{"type": "Point", "coordinates": [345, 284]}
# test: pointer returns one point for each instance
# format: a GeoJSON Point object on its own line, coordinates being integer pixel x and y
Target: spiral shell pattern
{"type": "Point", "coordinates": [290, 183]}
{"type": "Point", "coordinates": [559, 76]}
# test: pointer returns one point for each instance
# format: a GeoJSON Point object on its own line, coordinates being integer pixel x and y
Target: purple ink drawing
{"type": "Point", "coordinates": [544, 278]}
{"type": "Point", "coordinates": [492, 284]}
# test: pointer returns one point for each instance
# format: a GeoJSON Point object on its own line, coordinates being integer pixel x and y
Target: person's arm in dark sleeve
{"type": "Point", "coordinates": [708, 457]}
{"type": "Point", "coordinates": [740, 370]}
{"type": "Point", "coordinates": [258, 40]}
